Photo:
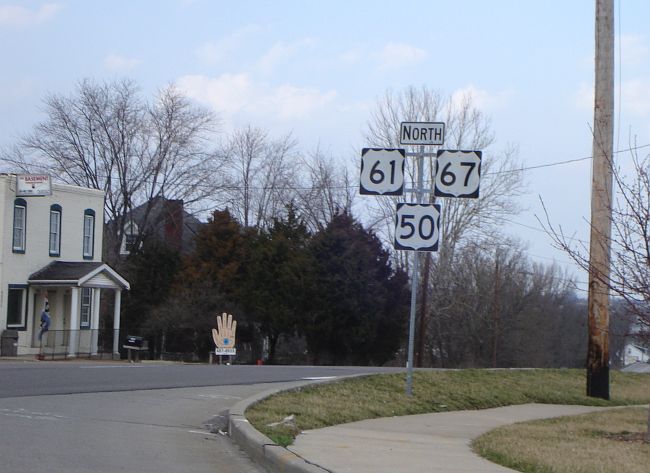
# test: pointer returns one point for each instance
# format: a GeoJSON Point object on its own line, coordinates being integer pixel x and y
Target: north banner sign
{"type": "Point", "coordinates": [422, 133]}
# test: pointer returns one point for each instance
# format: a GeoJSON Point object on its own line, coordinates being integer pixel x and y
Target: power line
{"type": "Point", "coordinates": [568, 161]}
{"type": "Point", "coordinates": [540, 230]}
{"type": "Point", "coordinates": [550, 258]}
{"type": "Point", "coordinates": [540, 166]}
{"type": "Point", "coordinates": [355, 186]}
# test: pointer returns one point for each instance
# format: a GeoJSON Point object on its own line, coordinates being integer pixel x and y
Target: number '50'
{"type": "Point", "coordinates": [425, 227]}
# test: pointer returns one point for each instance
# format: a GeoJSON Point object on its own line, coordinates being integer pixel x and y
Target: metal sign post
{"type": "Point", "coordinates": [419, 192]}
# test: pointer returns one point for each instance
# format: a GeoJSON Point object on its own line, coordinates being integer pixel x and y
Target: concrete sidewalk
{"type": "Point", "coordinates": [430, 442]}
{"type": "Point", "coordinates": [419, 443]}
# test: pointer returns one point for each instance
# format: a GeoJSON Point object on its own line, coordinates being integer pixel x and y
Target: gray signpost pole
{"type": "Point", "coordinates": [414, 279]}
{"type": "Point", "coordinates": [414, 290]}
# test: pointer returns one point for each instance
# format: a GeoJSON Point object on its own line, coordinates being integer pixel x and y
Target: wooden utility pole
{"type": "Point", "coordinates": [601, 205]}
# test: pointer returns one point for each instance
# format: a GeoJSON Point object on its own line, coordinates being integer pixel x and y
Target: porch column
{"type": "Point", "coordinates": [33, 318]}
{"type": "Point", "coordinates": [58, 316]}
{"type": "Point", "coordinates": [94, 322]}
{"type": "Point", "coordinates": [74, 322]}
{"type": "Point", "coordinates": [116, 323]}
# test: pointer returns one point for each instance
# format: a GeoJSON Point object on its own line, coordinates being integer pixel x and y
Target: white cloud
{"type": "Point", "coordinates": [635, 97]}
{"type": "Point", "coordinates": [351, 57]}
{"type": "Point", "coordinates": [481, 99]}
{"type": "Point", "coordinates": [281, 52]}
{"type": "Point", "coordinates": [116, 63]}
{"type": "Point", "coordinates": [20, 89]}
{"type": "Point", "coordinates": [294, 102]}
{"type": "Point", "coordinates": [395, 55]}
{"type": "Point", "coordinates": [213, 52]}
{"type": "Point", "coordinates": [19, 16]}
{"type": "Point", "coordinates": [634, 50]}
{"type": "Point", "coordinates": [238, 94]}
{"type": "Point", "coordinates": [584, 97]}
{"type": "Point", "coordinates": [229, 93]}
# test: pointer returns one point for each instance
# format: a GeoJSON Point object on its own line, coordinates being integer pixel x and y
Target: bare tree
{"type": "Point", "coordinates": [629, 280]}
{"type": "Point", "coordinates": [493, 307]}
{"type": "Point", "coordinates": [105, 136]}
{"type": "Point", "coordinates": [629, 275]}
{"type": "Point", "coordinates": [325, 189]}
{"type": "Point", "coordinates": [466, 128]}
{"type": "Point", "coordinates": [261, 175]}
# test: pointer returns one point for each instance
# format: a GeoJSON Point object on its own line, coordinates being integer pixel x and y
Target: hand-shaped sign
{"type": "Point", "coordinates": [224, 334]}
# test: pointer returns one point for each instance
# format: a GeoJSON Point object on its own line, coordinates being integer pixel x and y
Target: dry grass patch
{"type": "Point", "coordinates": [434, 391]}
{"type": "Point", "coordinates": [589, 443]}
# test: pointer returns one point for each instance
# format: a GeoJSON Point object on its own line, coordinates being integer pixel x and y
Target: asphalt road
{"type": "Point", "coordinates": [80, 417]}
{"type": "Point", "coordinates": [39, 378]}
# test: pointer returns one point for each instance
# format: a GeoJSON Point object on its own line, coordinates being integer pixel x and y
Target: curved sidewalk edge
{"type": "Point", "coordinates": [449, 437]}
{"type": "Point", "coordinates": [262, 450]}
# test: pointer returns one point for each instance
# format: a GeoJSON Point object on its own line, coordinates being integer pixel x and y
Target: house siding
{"type": "Point", "coordinates": [15, 268]}
{"type": "Point", "coordinates": [101, 280]}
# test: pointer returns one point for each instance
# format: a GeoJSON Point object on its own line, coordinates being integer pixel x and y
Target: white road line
{"type": "Point", "coordinates": [202, 432]}
{"type": "Point", "coordinates": [219, 396]}
{"type": "Point", "coordinates": [25, 414]}
{"type": "Point", "coordinates": [319, 378]}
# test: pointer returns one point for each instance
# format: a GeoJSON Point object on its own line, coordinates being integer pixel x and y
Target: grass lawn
{"type": "Point", "coordinates": [604, 442]}
{"type": "Point", "coordinates": [433, 391]}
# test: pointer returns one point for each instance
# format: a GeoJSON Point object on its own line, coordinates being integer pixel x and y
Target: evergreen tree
{"type": "Point", "coordinates": [277, 279]}
{"type": "Point", "coordinates": [151, 271]}
{"type": "Point", "coordinates": [222, 248]}
{"type": "Point", "coordinates": [210, 283]}
{"type": "Point", "coordinates": [358, 303]}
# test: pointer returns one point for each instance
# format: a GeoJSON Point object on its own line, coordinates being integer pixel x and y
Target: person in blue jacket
{"type": "Point", "coordinates": [45, 321]}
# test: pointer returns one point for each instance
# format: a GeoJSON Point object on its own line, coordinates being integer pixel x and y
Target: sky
{"type": "Point", "coordinates": [317, 68]}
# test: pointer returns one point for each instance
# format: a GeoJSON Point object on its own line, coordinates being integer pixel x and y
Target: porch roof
{"type": "Point", "coordinates": [78, 273]}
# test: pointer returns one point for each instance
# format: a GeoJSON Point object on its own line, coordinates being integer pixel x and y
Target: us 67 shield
{"type": "Point", "coordinates": [458, 173]}
{"type": "Point", "coordinates": [382, 171]}
{"type": "Point", "coordinates": [417, 227]}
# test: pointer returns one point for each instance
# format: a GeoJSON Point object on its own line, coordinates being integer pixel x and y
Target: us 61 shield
{"type": "Point", "coordinates": [382, 171]}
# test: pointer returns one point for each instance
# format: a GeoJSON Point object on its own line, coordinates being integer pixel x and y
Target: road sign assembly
{"type": "Point", "coordinates": [417, 225]}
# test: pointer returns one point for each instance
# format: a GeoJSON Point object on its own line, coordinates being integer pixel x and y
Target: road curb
{"type": "Point", "coordinates": [262, 450]}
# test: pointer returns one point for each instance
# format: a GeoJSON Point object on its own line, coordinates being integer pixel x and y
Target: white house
{"type": "Point", "coordinates": [635, 354]}
{"type": "Point", "coordinates": [51, 248]}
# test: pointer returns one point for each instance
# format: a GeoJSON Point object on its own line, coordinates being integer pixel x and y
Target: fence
{"type": "Point", "coordinates": [57, 344]}
{"type": "Point", "coordinates": [185, 345]}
